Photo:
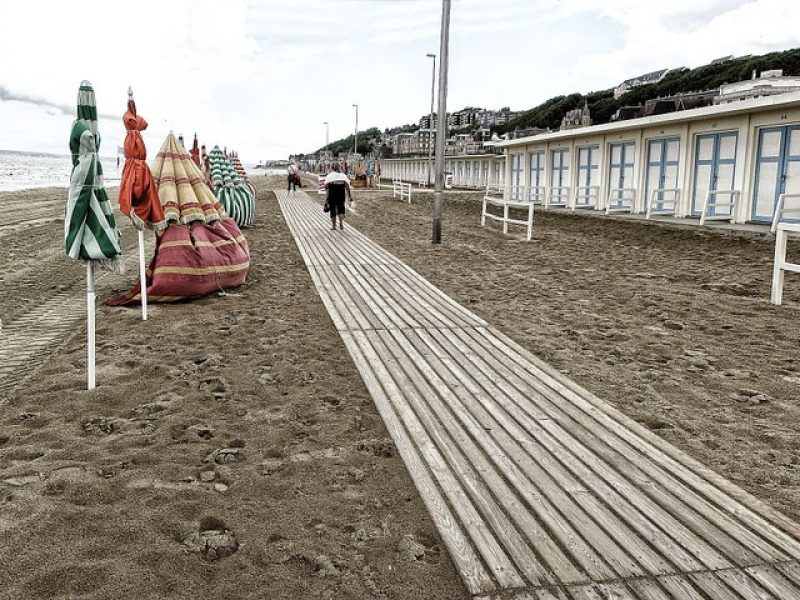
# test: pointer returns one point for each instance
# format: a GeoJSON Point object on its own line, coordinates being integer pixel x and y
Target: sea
{"type": "Point", "coordinates": [27, 170]}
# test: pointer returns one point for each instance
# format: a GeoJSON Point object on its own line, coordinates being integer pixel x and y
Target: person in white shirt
{"type": "Point", "coordinates": [336, 184]}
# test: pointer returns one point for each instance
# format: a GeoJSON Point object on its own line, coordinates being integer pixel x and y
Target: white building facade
{"type": "Point", "coordinates": [734, 159]}
{"type": "Point", "coordinates": [469, 171]}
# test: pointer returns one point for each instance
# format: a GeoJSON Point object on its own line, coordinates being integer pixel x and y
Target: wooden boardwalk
{"type": "Point", "coordinates": [539, 489]}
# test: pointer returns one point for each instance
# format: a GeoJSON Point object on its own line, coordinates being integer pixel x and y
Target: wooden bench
{"type": "Point", "coordinates": [709, 210]}
{"type": "Point", "coordinates": [663, 205]}
{"type": "Point", "coordinates": [588, 193]}
{"type": "Point", "coordinates": [624, 201]}
{"type": "Point", "coordinates": [782, 230]}
{"type": "Point", "coordinates": [505, 219]}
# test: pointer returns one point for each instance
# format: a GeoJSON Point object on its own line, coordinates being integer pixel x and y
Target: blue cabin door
{"type": "Point", "coordinates": [662, 170]}
{"type": "Point", "coordinates": [777, 169]}
{"type": "Point", "coordinates": [620, 172]}
{"type": "Point", "coordinates": [714, 168]}
{"type": "Point", "coordinates": [588, 157]}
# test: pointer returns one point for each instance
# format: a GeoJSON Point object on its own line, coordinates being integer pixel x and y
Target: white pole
{"type": "Point", "coordinates": [441, 123]}
{"type": "Point", "coordinates": [90, 322]}
{"type": "Point", "coordinates": [142, 281]}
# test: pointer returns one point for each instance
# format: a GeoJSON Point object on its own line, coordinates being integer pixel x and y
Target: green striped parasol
{"type": "Point", "coordinates": [231, 190]}
{"type": "Point", "coordinates": [90, 231]}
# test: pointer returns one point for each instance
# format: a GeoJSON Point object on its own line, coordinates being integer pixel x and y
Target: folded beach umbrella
{"type": "Point", "coordinates": [239, 168]}
{"type": "Point", "coordinates": [184, 195]}
{"type": "Point", "coordinates": [230, 189]}
{"type": "Point", "coordinates": [202, 250]}
{"type": "Point", "coordinates": [90, 231]}
{"type": "Point", "coordinates": [195, 151]}
{"type": "Point", "coordinates": [138, 195]}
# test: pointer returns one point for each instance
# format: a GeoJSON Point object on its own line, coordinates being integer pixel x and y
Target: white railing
{"type": "Point", "coordinates": [621, 200]}
{"type": "Point", "coordinates": [663, 205]}
{"type": "Point", "coordinates": [401, 189]}
{"type": "Point", "coordinates": [782, 229]}
{"type": "Point", "coordinates": [516, 193]}
{"type": "Point", "coordinates": [505, 219]}
{"type": "Point", "coordinates": [536, 194]}
{"type": "Point", "coordinates": [730, 204]}
{"type": "Point", "coordinates": [589, 194]}
{"type": "Point", "coordinates": [559, 196]}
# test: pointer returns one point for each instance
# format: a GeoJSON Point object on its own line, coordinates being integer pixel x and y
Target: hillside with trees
{"type": "Point", "coordinates": [603, 105]}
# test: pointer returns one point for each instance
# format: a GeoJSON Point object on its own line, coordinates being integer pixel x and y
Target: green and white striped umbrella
{"type": "Point", "coordinates": [231, 190]}
{"type": "Point", "coordinates": [90, 232]}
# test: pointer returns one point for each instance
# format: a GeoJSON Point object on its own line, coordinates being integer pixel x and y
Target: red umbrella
{"type": "Point", "coordinates": [195, 151]}
{"type": "Point", "coordinates": [138, 195]}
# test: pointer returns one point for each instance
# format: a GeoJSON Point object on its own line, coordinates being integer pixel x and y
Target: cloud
{"type": "Point", "coordinates": [8, 96]}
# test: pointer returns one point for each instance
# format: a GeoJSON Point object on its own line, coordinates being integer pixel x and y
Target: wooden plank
{"type": "Point", "coordinates": [770, 523]}
{"type": "Point", "coordinates": [444, 397]}
{"type": "Point", "coordinates": [494, 556]}
{"type": "Point", "coordinates": [435, 366]}
{"type": "Point", "coordinates": [564, 441]}
{"type": "Point", "coordinates": [461, 453]}
{"type": "Point", "coordinates": [469, 566]}
{"type": "Point", "coordinates": [648, 589]}
{"type": "Point", "coordinates": [597, 524]}
{"type": "Point", "coordinates": [772, 579]}
{"type": "Point", "coordinates": [728, 533]}
{"type": "Point", "coordinates": [681, 588]}
{"type": "Point", "coordinates": [746, 586]}
{"type": "Point", "coordinates": [713, 586]}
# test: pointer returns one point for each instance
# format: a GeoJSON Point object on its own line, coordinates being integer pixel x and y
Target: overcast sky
{"type": "Point", "coordinates": [261, 76]}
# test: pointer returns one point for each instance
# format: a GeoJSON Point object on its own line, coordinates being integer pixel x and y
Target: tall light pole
{"type": "Point", "coordinates": [326, 133]}
{"type": "Point", "coordinates": [441, 126]}
{"type": "Point", "coordinates": [355, 138]}
{"type": "Point", "coordinates": [430, 123]}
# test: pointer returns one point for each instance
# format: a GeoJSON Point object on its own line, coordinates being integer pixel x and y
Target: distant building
{"type": "Point", "coordinates": [646, 79]}
{"type": "Point", "coordinates": [578, 117]}
{"type": "Point", "coordinates": [768, 83]}
{"type": "Point", "coordinates": [721, 59]}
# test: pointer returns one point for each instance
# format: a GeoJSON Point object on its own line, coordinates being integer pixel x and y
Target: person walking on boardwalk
{"type": "Point", "coordinates": [292, 176]}
{"type": "Point", "coordinates": [336, 184]}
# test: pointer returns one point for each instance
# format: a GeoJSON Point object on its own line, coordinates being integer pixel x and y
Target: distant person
{"type": "Point", "coordinates": [291, 178]}
{"type": "Point", "coordinates": [337, 184]}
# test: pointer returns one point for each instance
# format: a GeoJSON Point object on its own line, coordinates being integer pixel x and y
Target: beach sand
{"type": "Point", "coordinates": [241, 415]}
{"type": "Point", "coordinates": [244, 414]}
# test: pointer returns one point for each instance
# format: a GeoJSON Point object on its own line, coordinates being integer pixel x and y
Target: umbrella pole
{"type": "Point", "coordinates": [90, 322]}
{"type": "Point", "coordinates": [142, 282]}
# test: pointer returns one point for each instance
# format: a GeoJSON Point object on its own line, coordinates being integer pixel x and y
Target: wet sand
{"type": "Point", "coordinates": [230, 449]}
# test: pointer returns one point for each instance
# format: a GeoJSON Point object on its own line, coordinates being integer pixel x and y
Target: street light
{"type": "Point", "coordinates": [326, 134]}
{"type": "Point", "coordinates": [355, 138]}
{"type": "Point", "coordinates": [430, 123]}
{"type": "Point", "coordinates": [441, 126]}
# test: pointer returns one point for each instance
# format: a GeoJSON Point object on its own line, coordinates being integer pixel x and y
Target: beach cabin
{"type": "Point", "coordinates": [724, 162]}
{"type": "Point", "coordinates": [470, 171]}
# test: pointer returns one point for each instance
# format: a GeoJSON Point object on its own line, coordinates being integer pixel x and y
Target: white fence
{"type": "Point", "coordinates": [782, 230]}
{"type": "Point", "coordinates": [621, 200]}
{"type": "Point", "coordinates": [663, 205]}
{"type": "Point", "coordinates": [401, 189]}
{"type": "Point", "coordinates": [709, 210]}
{"type": "Point", "coordinates": [588, 194]}
{"type": "Point", "coordinates": [507, 206]}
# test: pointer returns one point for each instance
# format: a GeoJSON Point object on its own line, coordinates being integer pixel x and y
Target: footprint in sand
{"type": "Point", "coordinates": [101, 426]}
{"type": "Point", "coordinates": [212, 540]}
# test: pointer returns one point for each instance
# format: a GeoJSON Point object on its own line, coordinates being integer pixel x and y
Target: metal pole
{"type": "Point", "coordinates": [355, 136]}
{"type": "Point", "coordinates": [142, 278]}
{"type": "Point", "coordinates": [430, 123]}
{"type": "Point", "coordinates": [90, 360]}
{"type": "Point", "coordinates": [326, 134]}
{"type": "Point", "coordinates": [441, 126]}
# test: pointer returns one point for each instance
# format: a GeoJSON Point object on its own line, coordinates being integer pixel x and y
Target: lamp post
{"type": "Point", "coordinates": [326, 133]}
{"type": "Point", "coordinates": [441, 127]}
{"type": "Point", "coordinates": [355, 137]}
{"type": "Point", "coordinates": [430, 123]}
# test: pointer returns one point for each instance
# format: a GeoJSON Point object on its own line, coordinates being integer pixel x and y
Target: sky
{"type": "Point", "coordinates": [262, 76]}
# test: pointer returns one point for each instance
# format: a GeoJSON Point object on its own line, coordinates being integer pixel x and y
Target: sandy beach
{"type": "Point", "coordinates": [244, 414]}
{"type": "Point", "coordinates": [240, 413]}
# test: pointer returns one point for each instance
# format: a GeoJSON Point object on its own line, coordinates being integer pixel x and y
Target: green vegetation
{"type": "Point", "coordinates": [602, 104]}
{"type": "Point", "coordinates": [365, 142]}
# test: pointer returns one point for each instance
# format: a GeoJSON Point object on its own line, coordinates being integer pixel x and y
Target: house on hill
{"type": "Point", "coordinates": [645, 79]}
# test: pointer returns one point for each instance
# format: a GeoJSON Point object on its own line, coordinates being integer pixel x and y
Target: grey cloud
{"type": "Point", "coordinates": [8, 96]}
